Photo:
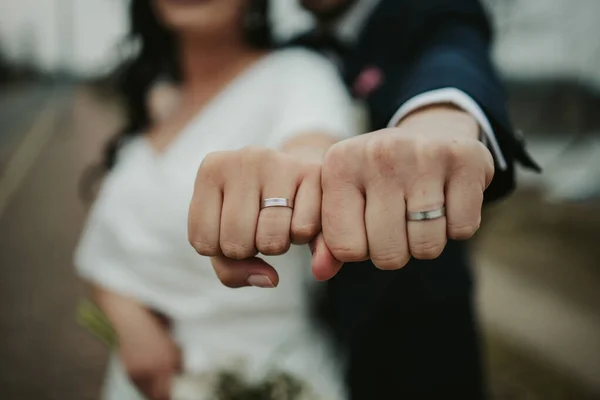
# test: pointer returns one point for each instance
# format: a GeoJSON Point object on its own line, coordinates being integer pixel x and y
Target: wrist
{"type": "Point", "coordinates": [126, 316]}
{"type": "Point", "coordinates": [309, 147]}
{"type": "Point", "coordinates": [455, 120]}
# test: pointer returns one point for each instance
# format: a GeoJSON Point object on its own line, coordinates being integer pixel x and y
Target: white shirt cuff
{"type": "Point", "coordinates": [462, 100]}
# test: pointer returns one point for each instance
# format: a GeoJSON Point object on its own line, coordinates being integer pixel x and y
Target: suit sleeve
{"type": "Point", "coordinates": [445, 44]}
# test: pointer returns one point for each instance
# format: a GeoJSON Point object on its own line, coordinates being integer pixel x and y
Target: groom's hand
{"type": "Point", "coordinates": [433, 159]}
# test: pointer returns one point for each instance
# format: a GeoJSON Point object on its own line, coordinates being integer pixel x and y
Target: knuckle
{"type": "Point", "coordinates": [462, 150]}
{"type": "Point", "coordinates": [285, 166]}
{"type": "Point", "coordinates": [212, 166]}
{"type": "Point", "coordinates": [250, 159]}
{"type": "Point", "coordinates": [383, 155]}
{"type": "Point", "coordinates": [431, 152]}
{"type": "Point", "coordinates": [466, 123]}
{"type": "Point", "coordinates": [252, 150]}
{"type": "Point", "coordinates": [211, 160]}
{"type": "Point", "coordinates": [237, 250]}
{"type": "Point", "coordinates": [348, 253]}
{"type": "Point", "coordinates": [255, 154]}
{"type": "Point", "coordinates": [273, 245]}
{"type": "Point", "coordinates": [214, 160]}
{"type": "Point", "coordinates": [264, 162]}
{"type": "Point", "coordinates": [335, 163]}
{"type": "Point", "coordinates": [390, 260]}
{"type": "Point", "coordinates": [429, 156]}
{"type": "Point", "coordinates": [204, 248]}
{"type": "Point", "coordinates": [489, 166]}
{"type": "Point", "coordinates": [302, 234]}
{"type": "Point", "coordinates": [335, 153]}
{"type": "Point", "coordinates": [396, 156]}
{"type": "Point", "coordinates": [427, 250]}
{"type": "Point", "coordinates": [462, 231]}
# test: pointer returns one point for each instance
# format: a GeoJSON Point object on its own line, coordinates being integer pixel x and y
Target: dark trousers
{"type": "Point", "coordinates": [430, 351]}
{"type": "Point", "coordinates": [409, 334]}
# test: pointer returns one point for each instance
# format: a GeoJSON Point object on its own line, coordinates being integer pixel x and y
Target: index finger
{"type": "Point", "coordinates": [204, 215]}
{"type": "Point", "coordinates": [343, 220]}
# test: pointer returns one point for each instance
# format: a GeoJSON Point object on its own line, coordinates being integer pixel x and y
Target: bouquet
{"type": "Point", "coordinates": [222, 385]}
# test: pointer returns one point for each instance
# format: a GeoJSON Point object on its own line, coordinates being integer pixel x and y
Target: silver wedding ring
{"type": "Point", "coordinates": [277, 202]}
{"type": "Point", "coordinates": [426, 215]}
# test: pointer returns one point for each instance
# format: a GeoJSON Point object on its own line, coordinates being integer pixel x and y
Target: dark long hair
{"type": "Point", "coordinates": [152, 55]}
{"type": "Point", "coordinates": [155, 57]}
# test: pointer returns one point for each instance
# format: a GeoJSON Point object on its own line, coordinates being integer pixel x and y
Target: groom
{"type": "Point", "coordinates": [423, 69]}
{"type": "Point", "coordinates": [401, 196]}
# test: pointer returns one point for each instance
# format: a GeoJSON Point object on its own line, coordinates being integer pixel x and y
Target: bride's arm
{"type": "Point", "coordinates": [149, 355]}
{"type": "Point", "coordinates": [309, 146]}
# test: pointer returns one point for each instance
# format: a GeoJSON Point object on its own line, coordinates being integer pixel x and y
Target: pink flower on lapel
{"type": "Point", "coordinates": [369, 80]}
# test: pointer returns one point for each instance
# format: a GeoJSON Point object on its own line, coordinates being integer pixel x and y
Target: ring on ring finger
{"type": "Point", "coordinates": [274, 224]}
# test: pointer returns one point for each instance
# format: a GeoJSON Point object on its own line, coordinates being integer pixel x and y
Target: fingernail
{"type": "Point", "coordinates": [260, 281]}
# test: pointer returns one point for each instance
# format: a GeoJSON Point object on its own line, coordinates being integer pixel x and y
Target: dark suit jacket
{"type": "Point", "coordinates": [411, 332]}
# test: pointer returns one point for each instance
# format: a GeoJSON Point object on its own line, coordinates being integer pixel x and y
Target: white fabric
{"type": "Point", "coordinates": [116, 384]}
{"type": "Point", "coordinates": [135, 241]}
{"type": "Point", "coordinates": [349, 28]}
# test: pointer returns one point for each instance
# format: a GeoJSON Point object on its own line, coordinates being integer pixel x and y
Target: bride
{"type": "Point", "coordinates": [171, 315]}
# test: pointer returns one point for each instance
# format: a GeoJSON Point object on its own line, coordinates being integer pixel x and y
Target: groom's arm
{"type": "Point", "coordinates": [437, 51]}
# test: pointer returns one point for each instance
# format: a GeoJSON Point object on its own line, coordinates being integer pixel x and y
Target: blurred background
{"type": "Point", "coordinates": [537, 254]}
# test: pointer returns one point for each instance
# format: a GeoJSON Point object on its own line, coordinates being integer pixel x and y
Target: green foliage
{"type": "Point", "coordinates": [93, 319]}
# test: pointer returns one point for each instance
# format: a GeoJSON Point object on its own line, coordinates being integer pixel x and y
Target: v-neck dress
{"type": "Point", "coordinates": [135, 240]}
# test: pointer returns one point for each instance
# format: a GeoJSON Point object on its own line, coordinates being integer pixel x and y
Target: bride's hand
{"type": "Point", "coordinates": [150, 357]}
{"type": "Point", "coordinates": [228, 220]}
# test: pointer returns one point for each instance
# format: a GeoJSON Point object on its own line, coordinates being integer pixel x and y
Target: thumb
{"type": "Point", "coordinates": [240, 273]}
{"type": "Point", "coordinates": [324, 264]}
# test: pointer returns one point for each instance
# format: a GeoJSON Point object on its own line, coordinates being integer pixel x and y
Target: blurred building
{"type": "Point", "coordinates": [70, 36]}
{"type": "Point", "coordinates": [537, 39]}
{"type": "Point", "coordinates": [548, 39]}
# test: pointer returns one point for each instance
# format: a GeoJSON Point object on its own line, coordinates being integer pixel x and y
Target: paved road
{"type": "Point", "coordinates": [43, 353]}
{"type": "Point", "coordinates": [19, 105]}
{"type": "Point", "coordinates": [538, 278]}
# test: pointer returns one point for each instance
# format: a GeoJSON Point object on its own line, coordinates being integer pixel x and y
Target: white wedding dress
{"type": "Point", "coordinates": [135, 241]}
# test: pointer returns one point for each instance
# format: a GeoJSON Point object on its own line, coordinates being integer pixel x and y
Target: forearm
{"type": "Point", "coordinates": [124, 314]}
{"type": "Point", "coordinates": [450, 117]}
{"type": "Point", "coordinates": [309, 146]}
{"type": "Point", "coordinates": [148, 354]}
